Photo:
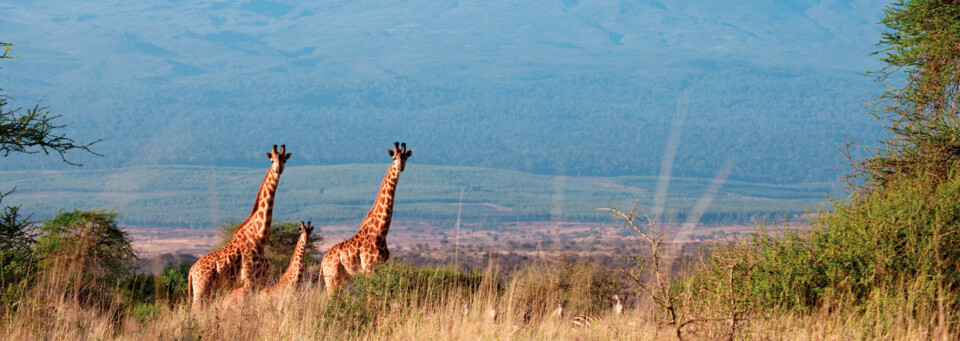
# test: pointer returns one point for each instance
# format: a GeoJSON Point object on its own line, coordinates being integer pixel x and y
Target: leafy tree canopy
{"type": "Point", "coordinates": [85, 242]}
{"type": "Point", "coordinates": [283, 240]}
{"type": "Point", "coordinates": [922, 44]}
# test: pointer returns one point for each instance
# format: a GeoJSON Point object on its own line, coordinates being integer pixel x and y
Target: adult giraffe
{"type": "Point", "coordinates": [368, 246]}
{"type": "Point", "coordinates": [242, 259]}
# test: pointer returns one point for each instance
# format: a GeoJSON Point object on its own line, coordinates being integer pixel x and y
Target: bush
{"type": "Point", "coordinates": [282, 241]}
{"type": "Point", "coordinates": [139, 288]}
{"type": "Point", "coordinates": [18, 266]}
{"type": "Point", "coordinates": [172, 283]}
{"type": "Point", "coordinates": [83, 252]}
{"type": "Point", "coordinates": [145, 312]}
{"type": "Point", "coordinates": [902, 242]}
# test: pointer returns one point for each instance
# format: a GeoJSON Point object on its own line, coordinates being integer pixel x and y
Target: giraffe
{"type": "Point", "coordinates": [366, 248]}
{"type": "Point", "coordinates": [291, 278]}
{"type": "Point", "coordinates": [561, 306]}
{"type": "Point", "coordinates": [242, 258]}
{"type": "Point", "coordinates": [588, 319]}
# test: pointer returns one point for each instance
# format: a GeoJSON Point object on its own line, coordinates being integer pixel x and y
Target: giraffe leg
{"type": "Point", "coordinates": [333, 277]}
{"type": "Point", "coordinates": [246, 282]}
{"type": "Point", "coordinates": [236, 296]}
{"type": "Point", "coordinates": [199, 287]}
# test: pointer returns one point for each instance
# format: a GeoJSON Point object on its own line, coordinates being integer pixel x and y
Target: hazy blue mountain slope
{"type": "Point", "coordinates": [203, 197]}
{"type": "Point", "coordinates": [550, 87]}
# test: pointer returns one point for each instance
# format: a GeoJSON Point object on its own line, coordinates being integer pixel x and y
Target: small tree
{"type": "Point", "coordinates": [922, 44]}
{"type": "Point", "coordinates": [283, 239]}
{"type": "Point", "coordinates": [17, 264]}
{"type": "Point", "coordinates": [79, 250]}
{"type": "Point", "coordinates": [28, 131]}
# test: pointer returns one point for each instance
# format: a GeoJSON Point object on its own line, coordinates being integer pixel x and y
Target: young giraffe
{"type": "Point", "coordinates": [242, 259]}
{"type": "Point", "coordinates": [587, 319]}
{"type": "Point", "coordinates": [369, 246]}
{"type": "Point", "coordinates": [291, 278]}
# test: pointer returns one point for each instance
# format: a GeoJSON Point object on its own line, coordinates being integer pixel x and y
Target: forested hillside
{"type": "Point", "coordinates": [565, 88]}
{"type": "Point", "coordinates": [204, 197]}
{"type": "Point", "coordinates": [774, 125]}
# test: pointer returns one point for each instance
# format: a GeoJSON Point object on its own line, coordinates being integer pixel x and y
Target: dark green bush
{"type": "Point", "coordinates": [172, 283]}
{"type": "Point", "coordinates": [903, 239]}
{"type": "Point", "coordinates": [282, 241]}
{"type": "Point", "coordinates": [18, 265]}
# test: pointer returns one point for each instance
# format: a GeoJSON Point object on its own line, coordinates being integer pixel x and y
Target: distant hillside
{"type": "Point", "coordinates": [198, 197]}
{"type": "Point", "coordinates": [558, 88]}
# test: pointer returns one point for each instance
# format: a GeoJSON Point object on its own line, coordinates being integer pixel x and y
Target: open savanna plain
{"type": "Point", "coordinates": [476, 254]}
{"type": "Point", "coordinates": [198, 197]}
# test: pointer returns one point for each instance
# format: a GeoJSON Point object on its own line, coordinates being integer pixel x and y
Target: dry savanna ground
{"type": "Point", "coordinates": [429, 314]}
{"type": "Point", "coordinates": [536, 238]}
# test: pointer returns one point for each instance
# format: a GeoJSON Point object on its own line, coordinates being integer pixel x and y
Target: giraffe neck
{"type": "Point", "coordinates": [295, 270]}
{"type": "Point", "coordinates": [378, 220]}
{"type": "Point", "coordinates": [257, 227]}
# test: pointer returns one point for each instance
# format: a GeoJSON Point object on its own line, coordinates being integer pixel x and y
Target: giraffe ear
{"type": "Point", "coordinates": [409, 152]}
{"type": "Point", "coordinates": [287, 157]}
{"type": "Point", "coordinates": [269, 156]}
{"type": "Point", "coordinates": [390, 151]}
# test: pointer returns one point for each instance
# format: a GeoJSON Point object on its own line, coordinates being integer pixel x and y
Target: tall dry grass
{"type": "Point", "coordinates": [435, 309]}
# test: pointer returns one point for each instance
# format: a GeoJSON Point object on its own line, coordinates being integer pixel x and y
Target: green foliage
{"type": "Point", "coordinates": [901, 241]}
{"type": "Point", "coordinates": [922, 42]}
{"type": "Point", "coordinates": [138, 288]}
{"type": "Point", "coordinates": [84, 250]}
{"type": "Point", "coordinates": [17, 261]}
{"type": "Point", "coordinates": [892, 248]}
{"type": "Point", "coordinates": [283, 240]}
{"type": "Point", "coordinates": [145, 313]}
{"type": "Point", "coordinates": [396, 288]}
{"type": "Point", "coordinates": [172, 283]}
{"type": "Point", "coordinates": [28, 132]}
{"type": "Point", "coordinates": [6, 50]}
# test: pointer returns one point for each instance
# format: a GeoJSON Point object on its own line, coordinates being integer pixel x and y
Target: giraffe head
{"type": "Point", "coordinates": [400, 153]}
{"type": "Point", "coordinates": [306, 228]}
{"type": "Point", "coordinates": [618, 304]}
{"type": "Point", "coordinates": [279, 158]}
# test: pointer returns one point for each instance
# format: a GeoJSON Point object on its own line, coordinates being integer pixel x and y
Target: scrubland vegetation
{"type": "Point", "coordinates": [880, 264]}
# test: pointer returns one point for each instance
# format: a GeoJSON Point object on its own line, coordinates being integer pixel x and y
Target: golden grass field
{"type": "Point", "coordinates": [302, 315]}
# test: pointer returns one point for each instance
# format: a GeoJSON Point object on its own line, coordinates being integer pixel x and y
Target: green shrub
{"type": "Point", "coordinates": [282, 241]}
{"type": "Point", "coordinates": [145, 312]}
{"type": "Point", "coordinates": [18, 265]}
{"type": "Point", "coordinates": [138, 288]}
{"type": "Point", "coordinates": [903, 239]}
{"type": "Point", "coordinates": [172, 283]}
{"type": "Point", "coordinates": [81, 253]}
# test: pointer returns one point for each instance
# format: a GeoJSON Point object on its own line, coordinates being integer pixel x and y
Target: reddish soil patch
{"type": "Point", "coordinates": [407, 234]}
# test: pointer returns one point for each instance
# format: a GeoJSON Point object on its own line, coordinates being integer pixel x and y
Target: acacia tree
{"type": "Point", "coordinates": [28, 131]}
{"type": "Point", "coordinates": [283, 240]}
{"type": "Point", "coordinates": [921, 50]}
{"type": "Point", "coordinates": [81, 250]}
{"type": "Point", "coordinates": [33, 130]}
